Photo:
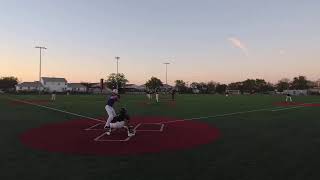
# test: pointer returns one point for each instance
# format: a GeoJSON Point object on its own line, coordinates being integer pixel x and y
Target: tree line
{"type": "Point", "coordinates": [248, 86]}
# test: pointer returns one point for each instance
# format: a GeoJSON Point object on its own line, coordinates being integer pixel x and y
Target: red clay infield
{"type": "Point", "coordinates": [297, 104]}
{"type": "Point", "coordinates": [154, 134]}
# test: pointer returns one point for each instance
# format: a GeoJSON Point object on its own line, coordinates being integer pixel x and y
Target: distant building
{"type": "Point", "coordinates": [315, 90]}
{"type": "Point", "coordinates": [96, 88]}
{"type": "Point", "coordinates": [195, 91]}
{"type": "Point", "coordinates": [234, 92]}
{"type": "Point", "coordinates": [29, 86]}
{"type": "Point", "coordinates": [76, 87]}
{"type": "Point", "coordinates": [296, 92]}
{"type": "Point", "coordinates": [317, 83]}
{"type": "Point", "coordinates": [134, 88]}
{"type": "Point", "coordinates": [53, 84]}
{"type": "Point", "coordinates": [166, 88]}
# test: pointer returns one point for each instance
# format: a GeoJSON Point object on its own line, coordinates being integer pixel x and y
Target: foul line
{"type": "Point", "coordinates": [282, 109]}
{"type": "Point", "coordinates": [188, 119]}
{"type": "Point", "coordinates": [58, 110]}
{"type": "Point", "coordinates": [220, 115]}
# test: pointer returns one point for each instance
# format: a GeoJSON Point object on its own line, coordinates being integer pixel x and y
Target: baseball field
{"type": "Point", "coordinates": [258, 137]}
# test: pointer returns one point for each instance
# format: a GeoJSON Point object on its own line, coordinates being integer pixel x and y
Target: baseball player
{"type": "Point", "coordinates": [288, 97]}
{"type": "Point", "coordinates": [53, 96]}
{"type": "Point", "coordinates": [173, 92]}
{"type": "Point", "coordinates": [122, 121]}
{"type": "Point", "coordinates": [109, 108]}
{"type": "Point", "coordinates": [157, 95]}
{"type": "Point", "coordinates": [148, 94]}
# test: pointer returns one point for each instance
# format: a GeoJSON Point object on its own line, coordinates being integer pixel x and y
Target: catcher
{"type": "Point", "coordinates": [121, 121]}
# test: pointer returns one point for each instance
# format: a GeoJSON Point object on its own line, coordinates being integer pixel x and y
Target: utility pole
{"type": "Point", "coordinates": [166, 72]}
{"type": "Point", "coordinates": [117, 76]}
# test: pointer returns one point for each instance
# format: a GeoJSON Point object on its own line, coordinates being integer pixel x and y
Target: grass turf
{"type": "Point", "coordinates": [257, 145]}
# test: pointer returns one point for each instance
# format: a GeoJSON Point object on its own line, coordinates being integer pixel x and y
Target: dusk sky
{"type": "Point", "coordinates": [223, 41]}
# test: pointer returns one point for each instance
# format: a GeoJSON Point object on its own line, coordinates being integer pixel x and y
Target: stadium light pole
{"type": "Point", "coordinates": [117, 58]}
{"type": "Point", "coordinates": [40, 49]}
{"type": "Point", "coordinates": [166, 72]}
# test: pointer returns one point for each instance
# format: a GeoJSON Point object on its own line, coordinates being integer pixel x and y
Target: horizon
{"type": "Point", "coordinates": [188, 82]}
{"type": "Point", "coordinates": [203, 41]}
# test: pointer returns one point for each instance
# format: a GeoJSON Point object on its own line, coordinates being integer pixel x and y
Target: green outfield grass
{"type": "Point", "coordinates": [256, 143]}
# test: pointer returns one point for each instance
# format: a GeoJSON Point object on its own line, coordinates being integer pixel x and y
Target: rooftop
{"type": "Point", "coordinates": [30, 84]}
{"type": "Point", "coordinates": [53, 79]}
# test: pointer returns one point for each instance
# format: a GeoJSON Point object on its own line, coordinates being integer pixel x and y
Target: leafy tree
{"type": "Point", "coordinates": [269, 87]}
{"type": "Point", "coordinates": [283, 84]}
{"type": "Point", "coordinates": [260, 85]}
{"type": "Point", "coordinates": [249, 85]}
{"type": "Point", "coordinates": [8, 83]}
{"type": "Point", "coordinates": [195, 85]}
{"type": "Point", "coordinates": [181, 86]}
{"type": "Point", "coordinates": [236, 86]}
{"type": "Point", "coordinates": [154, 83]}
{"type": "Point", "coordinates": [221, 88]}
{"type": "Point", "coordinates": [203, 87]}
{"type": "Point", "coordinates": [116, 79]}
{"type": "Point", "coordinates": [300, 82]}
{"type": "Point", "coordinates": [263, 86]}
{"type": "Point", "coordinates": [211, 86]}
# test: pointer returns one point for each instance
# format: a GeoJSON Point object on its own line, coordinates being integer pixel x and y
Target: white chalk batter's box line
{"type": "Point", "coordinates": [150, 130]}
{"type": "Point", "coordinates": [110, 140]}
{"type": "Point", "coordinates": [94, 127]}
{"type": "Point", "coordinates": [126, 139]}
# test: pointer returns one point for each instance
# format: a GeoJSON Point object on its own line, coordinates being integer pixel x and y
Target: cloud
{"type": "Point", "coordinates": [238, 44]}
{"type": "Point", "coordinates": [282, 52]}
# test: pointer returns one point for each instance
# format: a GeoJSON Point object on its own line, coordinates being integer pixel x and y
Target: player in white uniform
{"type": "Point", "coordinates": [157, 95]}
{"type": "Point", "coordinates": [53, 96]}
{"type": "Point", "coordinates": [109, 108]}
{"type": "Point", "coordinates": [288, 98]}
{"type": "Point", "coordinates": [148, 94]}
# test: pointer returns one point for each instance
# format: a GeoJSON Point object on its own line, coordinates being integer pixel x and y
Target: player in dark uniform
{"type": "Point", "coordinates": [122, 121]}
{"type": "Point", "coordinates": [173, 92]}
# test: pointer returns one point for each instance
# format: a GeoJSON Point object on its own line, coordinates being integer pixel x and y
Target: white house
{"type": "Point", "coordinates": [29, 86]}
{"type": "Point", "coordinates": [296, 92]}
{"type": "Point", "coordinates": [76, 87]}
{"type": "Point", "coordinates": [53, 84]}
{"type": "Point", "coordinates": [166, 87]}
{"type": "Point", "coordinates": [316, 88]}
{"type": "Point", "coordinates": [317, 83]}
